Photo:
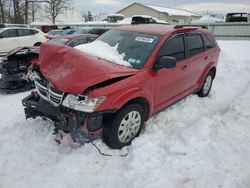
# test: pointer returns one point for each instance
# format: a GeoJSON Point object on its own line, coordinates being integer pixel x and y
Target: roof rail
{"type": "Point", "coordinates": [181, 26]}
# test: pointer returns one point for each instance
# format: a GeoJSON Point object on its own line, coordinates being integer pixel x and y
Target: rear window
{"type": "Point", "coordinates": [194, 44]}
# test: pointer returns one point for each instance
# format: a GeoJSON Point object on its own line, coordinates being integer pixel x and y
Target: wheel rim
{"type": "Point", "coordinates": [207, 84]}
{"type": "Point", "coordinates": [129, 126]}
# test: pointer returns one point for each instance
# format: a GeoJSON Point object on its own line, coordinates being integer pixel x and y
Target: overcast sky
{"type": "Point", "coordinates": [198, 6]}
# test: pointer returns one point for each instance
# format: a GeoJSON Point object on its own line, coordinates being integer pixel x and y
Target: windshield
{"type": "Point", "coordinates": [59, 40]}
{"type": "Point", "coordinates": [135, 47]}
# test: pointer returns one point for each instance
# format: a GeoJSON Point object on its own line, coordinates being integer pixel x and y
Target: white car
{"type": "Point", "coordinates": [13, 37]}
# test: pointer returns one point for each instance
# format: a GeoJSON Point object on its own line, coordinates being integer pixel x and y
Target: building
{"type": "Point", "coordinates": [163, 13]}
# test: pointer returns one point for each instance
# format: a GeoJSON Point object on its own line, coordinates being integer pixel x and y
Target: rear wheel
{"type": "Point", "coordinates": [206, 87]}
{"type": "Point", "coordinates": [124, 126]}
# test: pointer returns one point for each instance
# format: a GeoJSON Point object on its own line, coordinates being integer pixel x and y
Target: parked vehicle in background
{"type": "Point", "coordinates": [113, 18]}
{"type": "Point", "coordinates": [13, 37]}
{"type": "Point", "coordinates": [47, 28]}
{"type": "Point", "coordinates": [15, 65]}
{"type": "Point", "coordinates": [54, 33]}
{"type": "Point", "coordinates": [111, 86]}
{"type": "Point", "coordinates": [74, 40]}
{"type": "Point", "coordinates": [238, 17]}
{"type": "Point", "coordinates": [91, 30]}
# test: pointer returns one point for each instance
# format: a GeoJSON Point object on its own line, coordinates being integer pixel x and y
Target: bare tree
{"type": "Point", "coordinates": [55, 7]}
{"type": "Point", "coordinates": [2, 10]}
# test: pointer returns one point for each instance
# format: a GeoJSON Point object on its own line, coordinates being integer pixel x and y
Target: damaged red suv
{"type": "Point", "coordinates": [111, 86]}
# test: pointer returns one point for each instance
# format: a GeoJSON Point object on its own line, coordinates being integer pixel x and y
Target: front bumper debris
{"type": "Point", "coordinates": [83, 127]}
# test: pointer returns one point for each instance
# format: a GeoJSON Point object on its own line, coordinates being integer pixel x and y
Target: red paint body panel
{"type": "Point", "coordinates": [72, 71]}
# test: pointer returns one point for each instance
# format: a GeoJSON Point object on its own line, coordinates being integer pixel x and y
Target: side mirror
{"type": "Point", "coordinates": [167, 62]}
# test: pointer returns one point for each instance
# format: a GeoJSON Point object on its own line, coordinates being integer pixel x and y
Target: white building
{"type": "Point", "coordinates": [162, 13]}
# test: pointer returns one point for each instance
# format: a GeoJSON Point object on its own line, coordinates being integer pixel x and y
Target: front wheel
{"type": "Point", "coordinates": [124, 126]}
{"type": "Point", "coordinates": [206, 86]}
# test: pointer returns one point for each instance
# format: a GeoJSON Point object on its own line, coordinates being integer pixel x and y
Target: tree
{"type": "Point", "coordinates": [2, 10]}
{"type": "Point", "coordinates": [55, 7]}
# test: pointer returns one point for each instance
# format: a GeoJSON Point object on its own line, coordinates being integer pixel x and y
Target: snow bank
{"type": "Point", "coordinates": [103, 50]}
{"type": "Point", "coordinates": [196, 143]}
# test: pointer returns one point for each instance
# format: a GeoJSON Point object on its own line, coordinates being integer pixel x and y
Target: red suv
{"type": "Point", "coordinates": [110, 87]}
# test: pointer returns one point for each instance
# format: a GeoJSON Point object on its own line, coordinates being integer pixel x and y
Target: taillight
{"type": "Point", "coordinates": [46, 36]}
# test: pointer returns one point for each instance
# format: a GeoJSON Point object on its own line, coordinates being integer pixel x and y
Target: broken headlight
{"type": "Point", "coordinates": [82, 103]}
{"type": "Point", "coordinates": [33, 75]}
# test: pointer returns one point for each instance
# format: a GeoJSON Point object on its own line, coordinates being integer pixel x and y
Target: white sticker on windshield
{"type": "Point", "coordinates": [144, 39]}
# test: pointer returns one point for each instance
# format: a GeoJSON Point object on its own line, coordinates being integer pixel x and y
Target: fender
{"type": "Point", "coordinates": [205, 72]}
{"type": "Point", "coordinates": [134, 93]}
{"type": "Point", "coordinates": [121, 98]}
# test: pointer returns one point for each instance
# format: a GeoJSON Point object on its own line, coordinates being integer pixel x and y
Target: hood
{"type": "Point", "coordinates": [70, 70]}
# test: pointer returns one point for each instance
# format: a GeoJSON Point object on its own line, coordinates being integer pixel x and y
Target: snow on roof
{"type": "Point", "coordinates": [171, 11]}
{"type": "Point", "coordinates": [129, 19]}
{"type": "Point", "coordinates": [103, 50]}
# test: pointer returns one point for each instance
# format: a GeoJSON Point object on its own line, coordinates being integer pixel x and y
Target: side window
{"type": "Point", "coordinates": [194, 44]}
{"type": "Point", "coordinates": [208, 41]}
{"type": "Point", "coordinates": [24, 32]}
{"type": "Point", "coordinates": [174, 47]}
{"type": "Point", "coordinates": [9, 33]}
{"type": "Point", "coordinates": [33, 32]}
{"type": "Point", "coordinates": [77, 42]}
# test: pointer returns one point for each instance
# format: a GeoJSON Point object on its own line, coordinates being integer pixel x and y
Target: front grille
{"type": "Point", "coordinates": [48, 93]}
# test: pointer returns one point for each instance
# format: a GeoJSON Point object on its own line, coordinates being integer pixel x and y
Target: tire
{"type": "Point", "coordinates": [120, 133]}
{"type": "Point", "coordinates": [206, 86]}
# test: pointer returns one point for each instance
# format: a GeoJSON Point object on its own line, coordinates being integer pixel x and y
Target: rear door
{"type": "Point", "coordinates": [196, 59]}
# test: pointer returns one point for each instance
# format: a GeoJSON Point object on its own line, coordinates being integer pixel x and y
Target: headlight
{"type": "Point", "coordinates": [82, 103]}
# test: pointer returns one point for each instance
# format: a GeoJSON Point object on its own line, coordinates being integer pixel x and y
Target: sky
{"type": "Point", "coordinates": [198, 6]}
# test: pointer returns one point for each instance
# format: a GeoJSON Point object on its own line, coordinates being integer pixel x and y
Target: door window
{"type": "Point", "coordinates": [174, 47]}
{"type": "Point", "coordinates": [208, 42]}
{"type": "Point", "coordinates": [9, 33]}
{"type": "Point", "coordinates": [194, 44]}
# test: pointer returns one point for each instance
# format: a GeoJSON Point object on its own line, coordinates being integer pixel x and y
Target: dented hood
{"type": "Point", "coordinates": [70, 70]}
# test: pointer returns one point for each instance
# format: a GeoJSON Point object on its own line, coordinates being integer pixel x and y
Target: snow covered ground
{"type": "Point", "coordinates": [196, 143]}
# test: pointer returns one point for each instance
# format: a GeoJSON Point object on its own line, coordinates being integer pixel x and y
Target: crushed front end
{"type": "Point", "coordinates": [47, 102]}
{"type": "Point", "coordinates": [13, 69]}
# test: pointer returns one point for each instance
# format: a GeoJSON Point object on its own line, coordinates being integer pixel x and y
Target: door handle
{"type": "Point", "coordinates": [184, 67]}
{"type": "Point", "coordinates": [205, 58]}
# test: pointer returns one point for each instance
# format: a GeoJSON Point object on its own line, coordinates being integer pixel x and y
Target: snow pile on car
{"type": "Point", "coordinates": [196, 143]}
{"type": "Point", "coordinates": [103, 50]}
